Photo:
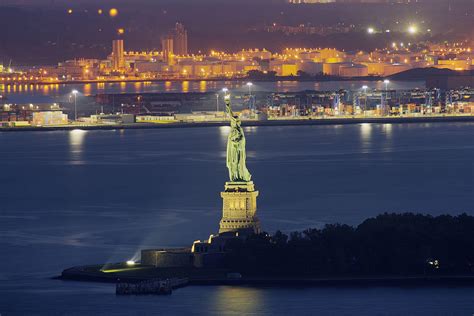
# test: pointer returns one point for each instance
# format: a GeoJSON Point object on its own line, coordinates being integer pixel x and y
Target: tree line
{"type": "Point", "coordinates": [389, 244]}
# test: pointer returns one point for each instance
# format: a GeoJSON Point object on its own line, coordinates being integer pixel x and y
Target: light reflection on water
{"type": "Point", "coordinates": [185, 87]}
{"type": "Point", "coordinates": [76, 143]}
{"type": "Point", "coordinates": [387, 128]}
{"type": "Point", "coordinates": [20, 92]}
{"type": "Point", "coordinates": [168, 85]}
{"type": "Point", "coordinates": [365, 132]}
{"type": "Point", "coordinates": [203, 86]}
{"type": "Point", "coordinates": [138, 86]}
{"type": "Point", "coordinates": [232, 300]}
{"type": "Point", "coordinates": [87, 89]}
{"type": "Point", "coordinates": [123, 86]}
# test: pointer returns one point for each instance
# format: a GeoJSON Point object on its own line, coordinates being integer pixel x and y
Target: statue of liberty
{"type": "Point", "coordinates": [238, 171]}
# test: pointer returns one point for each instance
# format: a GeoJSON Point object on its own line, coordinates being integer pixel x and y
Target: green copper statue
{"type": "Point", "coordinates": [236, 148]}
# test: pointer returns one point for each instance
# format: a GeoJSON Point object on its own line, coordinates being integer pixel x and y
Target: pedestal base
{"type": "Point", "coordinates": [239, 208]}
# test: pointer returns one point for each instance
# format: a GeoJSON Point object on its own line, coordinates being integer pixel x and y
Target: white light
{"type": "Point", "coordinates": [386, 81]}
{"type": "Point", "coordinates": [365, 87]}
{"type": "Point", "coordinates": [75, 92]}
{"type": "Point", "coordinates": [412, 29]}
{"type": "Point", "coordinates": [225, 89]}
{"type": "Point", "coordinates": [130, 262]}
{"type": "Point", "coordinates": [249, 84]}
{"type": "Point", "coordinates": [370, 30]}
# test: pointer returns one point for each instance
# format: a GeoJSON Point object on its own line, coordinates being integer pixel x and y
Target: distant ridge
{"type": "Point", "coordinates": [417, 74]}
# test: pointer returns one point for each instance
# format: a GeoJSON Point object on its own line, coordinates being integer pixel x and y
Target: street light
{"type": "Point", "coordinates": [386, 81]}
{"type": "Point", "coordinates": [249, 84]}
{"type": "Point", "coordinates": [365, 94]}
{"type": "Point", "coordinates": [75, 92]}
{"type": "Point", "coordinates": [226, 94]}
{"type": "Point", "coordinates": [226, 98]}
{"type": "Point", "coordinates": [412, 29]}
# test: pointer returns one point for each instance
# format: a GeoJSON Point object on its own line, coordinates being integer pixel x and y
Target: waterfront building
{"type": "Point", "coordinates": [284, 68]}
{"type": "Point", "coordinates": [150, 66]}
{"type": "Point", "coordinates": [454, 64]}
{"type": "Point", "coordinates": [49, 118]}
{"type": "Point", "coordinates": [111, 119]}
{"type": "Point", "coordinates": [77, 69]}
{"type": "Point", "coordinates": [375, 68]}
{"type": "Point", "coordinates": [118, 60]}
{"type": "Point", "coordinates": [180, 40]}
{"type": "Point", "coordinates": [167, 47]}
{"type": "Point", "coordinates": [155, 119]}
{"type": "Point", "coordinates": [32, 114]}
{"type": "Point", "coordinates": [353, 70]}
{"type": "Point", "coordinates": [395, 68]}
{"type": "Point", "coordinates": [333, 69]}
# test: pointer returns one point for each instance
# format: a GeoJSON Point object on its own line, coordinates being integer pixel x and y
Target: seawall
{"type": "Point", "coordinates": [294, 122]}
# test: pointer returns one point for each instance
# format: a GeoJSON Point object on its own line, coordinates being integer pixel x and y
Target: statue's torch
{"type": "Point", "coordinates": [227, 101]}
{"type": "Point", "coordinates": [226, 96]}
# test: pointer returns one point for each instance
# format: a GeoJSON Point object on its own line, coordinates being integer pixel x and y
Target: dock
{"type": "Point", "coordinates": [150, 287]}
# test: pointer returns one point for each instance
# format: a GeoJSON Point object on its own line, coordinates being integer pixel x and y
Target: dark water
{"type": "Point", "coordinates": [61, 92]}
{"type": "Point", "coordinates": [71, 198]}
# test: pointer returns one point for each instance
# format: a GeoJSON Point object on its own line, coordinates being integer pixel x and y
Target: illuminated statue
{"type": "Point", "coordinates": [236, 148]}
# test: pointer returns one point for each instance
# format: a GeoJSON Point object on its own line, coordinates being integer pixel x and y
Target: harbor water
{"type": "Point", "coordinates": [48, 93]}
{"type": "Point", "coordinates": [84, 197]}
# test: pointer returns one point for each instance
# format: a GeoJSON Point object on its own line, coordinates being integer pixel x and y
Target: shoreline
{"type": "Point", "coordinates": [302, 122]}
{"type": "Point", "coordinates": [243, 79]}
{"type": "Point", "coordinates": [217, 277]}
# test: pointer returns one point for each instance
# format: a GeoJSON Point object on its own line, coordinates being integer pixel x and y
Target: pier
{"type": "Point", "coordinates": [153, 286]}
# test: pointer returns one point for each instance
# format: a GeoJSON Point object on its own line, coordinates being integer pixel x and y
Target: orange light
{"type": "Point", "coordinates": [120, 31]}
{"type": "Point", "coordinates": [100, 11]}
{"type": "Point", "coordinates": [113, 12]}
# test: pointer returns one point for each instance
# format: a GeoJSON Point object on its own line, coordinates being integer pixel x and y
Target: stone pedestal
{"type": "Point", "coordinates": [239, 208]}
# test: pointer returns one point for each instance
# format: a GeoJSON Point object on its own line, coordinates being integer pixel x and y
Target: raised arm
{"type": "Point", "coordinates": [227, 106]}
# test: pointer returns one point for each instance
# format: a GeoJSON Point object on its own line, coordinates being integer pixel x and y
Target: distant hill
{"type": "Point", "coordinates": [418, 74]}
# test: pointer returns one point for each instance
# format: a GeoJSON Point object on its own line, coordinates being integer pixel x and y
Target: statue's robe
{"type": "Point", "coordinates": [238, 171]}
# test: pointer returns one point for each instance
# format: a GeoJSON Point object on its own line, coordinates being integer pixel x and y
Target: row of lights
{"type": "Point", "coordinates": [112, 12]}
{"type": "Point", "coordinates": [248, 84]}
{"type": "Point", "coordinates": [386, 82]}
{"type": "Point", "coordinates": [412, 29]}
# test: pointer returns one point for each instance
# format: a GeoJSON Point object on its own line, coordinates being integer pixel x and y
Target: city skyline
{"type": "Point", "coordinates": [86, 29]}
